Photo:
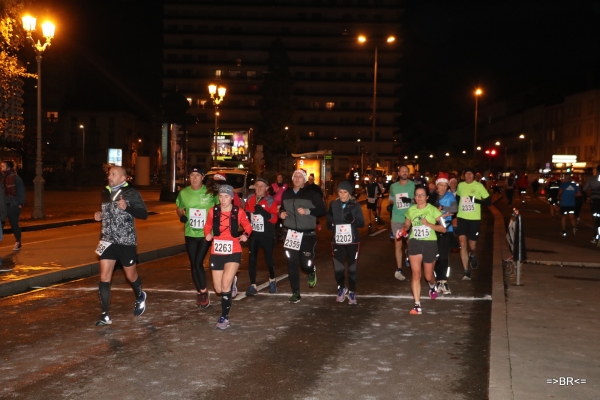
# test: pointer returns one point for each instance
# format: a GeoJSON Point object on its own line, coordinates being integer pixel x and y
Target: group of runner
{"type": "Point", "coordinates": [423, 220]}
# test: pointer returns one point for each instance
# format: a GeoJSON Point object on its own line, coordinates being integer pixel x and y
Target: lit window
{"type": "Point", "coordinates": [218, 73]}
{"type": "Point", "coordinates": [251, 74]}
{"type": "Point", "coordinates": [52, 116]}
{"type": "Point", "coordinates": [329, 105]}
{"type": "Point", "coordinates": [189, 99]}
{"type": "Point", "coordinates": [311, 134]}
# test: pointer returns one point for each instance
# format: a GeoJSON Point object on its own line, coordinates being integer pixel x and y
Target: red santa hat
{"type": "Point", "coordinates": [442, 178]}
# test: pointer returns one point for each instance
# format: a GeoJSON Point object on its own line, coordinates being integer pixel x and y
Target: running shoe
{"type": "Point", "coordinates": [444, 288]}
{"type": "Point", "coordinates": [416, 310]}
{"type": "Point", "coordinates": [104, 319]}
{"type": "Point", "coordinates": [295, 297]}
{"type": "Point", "coordinates": [17, 246]}
{"type": "Point", "coordinates": [473, 261]}
{"type": "Point", "coordinates": [341, 296]}
{"type": "Point", "coordinates": [467, 275]}
{"type": "Point", "coordinates": [140, 305]}
{"type": "Point", "coordinates": [251, 291]}
{"type": "Point", "coordinates": [399, 275]}
{"type": "Point", "coordinates": [234, 287]}
{"type": "Point", "coordinates": [352, 298]}
{"type": "Point", "coordinates": [433, 293]}
{"type": "Point", "coordinates": [312, 279]}
{"type": "Point", "coordinates": [223, 323]}
{"type": "Point", "coordinates": [564, 233]}
{"type": "Point", "coordinates": [203, 299]}
{"type": "Point", "coordinates": [273, 286]}
{"type": "Point", "coordinates": [392, 236]}
{"type": "Point", "coordinates": [594, 241]}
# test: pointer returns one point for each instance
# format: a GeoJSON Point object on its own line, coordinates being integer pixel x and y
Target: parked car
{"type": "Point", "coordinates": [241, 179]}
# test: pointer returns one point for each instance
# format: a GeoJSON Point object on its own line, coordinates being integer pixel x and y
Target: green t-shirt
{"type": "Point", "coordinates": [396, 192]}
{"type": "Point", "coordinates": [420, 231]}
{"type": "Point", "coordinates": [468, 209]}
{"type": "Point", "coordinates": [196, 204]}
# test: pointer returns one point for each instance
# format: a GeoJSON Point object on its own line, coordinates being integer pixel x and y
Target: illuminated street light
{"type": "Point", "coordinates": [521, 136]}
{"type": "Point", "coordinates": [478, 93]}
{"type": "Point", "coordinates": [464, 152]}
{"type": "Point", "coordinates": [217, 95]}
{"type": "Point", "coordinates": [447, 154]}
{"type": "Point", "coordinates": [497, 143]}
{"type": "Point", "coordinates": [363, 39]}
{"type": "Point", "coordinates": [38, 182]}
{"type": "Point", "coordinates": [478, 148]}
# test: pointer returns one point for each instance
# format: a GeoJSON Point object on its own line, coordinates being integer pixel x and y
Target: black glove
{"type": "Point", "coordinates": [390, 207]}
{"type": "Point", "coordinates": [183, 219]}
{"type": "Point", "coordinates": [478, 201]}
{"type": "Point", "coordinates": [405, 199]}
{"type": "Point", "coordinates": [349, 218]}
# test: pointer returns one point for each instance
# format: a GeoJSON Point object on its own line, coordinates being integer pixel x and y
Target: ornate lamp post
{"type": "Point", "coordinates": [217, 95]}
{"type": "Point", "coordinates": [478, 93]}
{"type": "Point", "coordinates": [363, 39]}
{"type": "Point", "coordinates": [38, 181]}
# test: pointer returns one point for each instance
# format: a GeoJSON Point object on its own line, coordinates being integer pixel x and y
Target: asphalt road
{"type": "Point", "coordinates": [316, 349]}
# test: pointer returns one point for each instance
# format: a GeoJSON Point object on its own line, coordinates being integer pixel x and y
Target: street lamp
{"type": "Point", "coordinates": [38, 182]}
{"type": "Point", "coordinates": [363, 39]}
{"type": "Point", "coordinates": [217, 95]}
{"type": "Point", "coordinates": [83, 148]}
{"type": "Point", "coordinates": [478, 93]}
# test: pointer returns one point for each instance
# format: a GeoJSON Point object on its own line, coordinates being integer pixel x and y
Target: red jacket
{"type": "Point", "coordinates": [225, 228]}
{"type": "Point", "coordinates": [268, 214]}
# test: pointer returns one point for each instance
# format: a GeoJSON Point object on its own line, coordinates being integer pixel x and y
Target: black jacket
{"type": "Point", "coordinates": [351, 214]}
{"type": "Point", "coordinates": [117, 225]}
{"type": "Point", "coordinates": [305, 198]}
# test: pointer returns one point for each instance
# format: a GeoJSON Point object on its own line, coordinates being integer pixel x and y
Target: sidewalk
{"type": "Point", "coordinates": [543, 331]}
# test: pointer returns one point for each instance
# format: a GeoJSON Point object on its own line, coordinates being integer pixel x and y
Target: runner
{"type": "Point", "coordinates": [522, 184]}
{"type": "Point", "coordinates": [447, 205]}
{"type": "Point", "coordinates": [344, 218]}
{"type": "Point", "coordinates": [118, 240]}
{"type": "Point", "coordinates": [422, 248]}
{"type": "Point", "coordinates": [373, 191]}
{"type": "Point", "coordinates": [510, 189]}
{"type": "Point", "coordinates": [193, 203]}
{"type": "Point", "coordinates": [300, 208]}
{"type": "Point", "coordinates": [552, 188]}
{"type": "Point", "coordinates": [592, 188]}
{"type": "Point", "coordinates": [568, 191]}
{"type": "Point", "coordinates": [401, 196]}
{"type": "Point", "coordinates": [470, 195]}
{"type": "Point", "coordinates": [262, 209]}
{"type": "Point", "coordinates": [222, 225]}
{"type": "Point", "coordinates": [382, 190]}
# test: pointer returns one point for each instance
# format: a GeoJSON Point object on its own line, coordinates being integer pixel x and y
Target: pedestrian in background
{"type": "Point", "coordinates": [14, 190]}
{"type": "Point", "coordinates": [121, 204]}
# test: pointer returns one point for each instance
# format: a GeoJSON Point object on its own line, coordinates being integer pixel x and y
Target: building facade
{"type": "Point", "coordinates": [227, 43]}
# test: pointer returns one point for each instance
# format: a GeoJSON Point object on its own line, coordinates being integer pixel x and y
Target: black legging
{"type": "Point", "coordinates": [343, 253]}
{"type": "Point", "coordinates": [13, 213]}
{"type": "Point", "coordinates": [197, 249]}
{"type": "Point", "coordinates": [509, 195]}
{"type": "Point", "coordinates": [303, 257]}
{"type": "Point", "coordinates": [258, 241]}
{"type": "Point", "coordinates": [445, 241]}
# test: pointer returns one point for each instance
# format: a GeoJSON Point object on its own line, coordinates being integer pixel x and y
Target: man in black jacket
{"type": "Point", "coordinates": [299, 210]}
{"type": "Point", "coordinates": [120, 205]}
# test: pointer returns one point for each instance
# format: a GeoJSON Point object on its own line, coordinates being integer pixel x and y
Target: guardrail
{"type": "Point", "coordinates": [516, 242]}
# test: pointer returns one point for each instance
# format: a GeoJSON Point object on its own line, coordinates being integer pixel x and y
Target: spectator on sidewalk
{"type": "Point", "coordinates": [14, 190]}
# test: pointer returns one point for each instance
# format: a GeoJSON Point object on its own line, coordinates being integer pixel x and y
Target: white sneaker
{"type": "Point", "coordinates": [399, 275]}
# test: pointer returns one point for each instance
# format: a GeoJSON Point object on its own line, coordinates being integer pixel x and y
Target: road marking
{"type": "Point", "coordinates": [241, 296]}
{"type": "Point", "coordinates": [378, 232]}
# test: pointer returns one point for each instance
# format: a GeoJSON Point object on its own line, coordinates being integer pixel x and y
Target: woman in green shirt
{"type": "Point", "coordinates": [425, 220]}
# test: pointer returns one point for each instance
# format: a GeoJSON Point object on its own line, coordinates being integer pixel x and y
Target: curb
{"type": "Point", "coordinates": [80, 271]}
{"type": "Point", "coordinates": [564, 263]}
{"type": "Point", "coordinates": [500, 381]}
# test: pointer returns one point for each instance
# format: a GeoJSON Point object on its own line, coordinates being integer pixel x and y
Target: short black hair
{"type": "Point", "coordinates": [10, 164]}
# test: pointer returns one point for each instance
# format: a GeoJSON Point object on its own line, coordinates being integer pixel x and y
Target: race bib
{"type": "Point", "coordinates": [197, 218]}
{"type": "Point", "coordinates": [223, 246]}
{"type": "Point", "coordinates": [258, 223]}
{"type": "Point", "coordinates": [102, 246]}
{"type": "Point", "coordinates": [421, 232]}
{"type": "Point", "coordinates": [467, 205]}
{"type": "Point", "coordinates": [343, 234]}
{"type": "Point", "coordinates": [399, 204]}
{"type": "Point", "coordinates": [293, 240]}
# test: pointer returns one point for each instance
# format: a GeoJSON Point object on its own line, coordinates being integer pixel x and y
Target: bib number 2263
{"type": "Point", "coordinates": [223, 246]}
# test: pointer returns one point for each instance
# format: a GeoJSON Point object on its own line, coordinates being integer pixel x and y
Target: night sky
{"type": "Point", "coordinates": [110, 50]}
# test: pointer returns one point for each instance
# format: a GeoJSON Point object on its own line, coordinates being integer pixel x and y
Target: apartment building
{"type": "Point", "coordinates": [227, 43]}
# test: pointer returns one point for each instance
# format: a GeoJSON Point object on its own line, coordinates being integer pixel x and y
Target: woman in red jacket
{"type": "Point", "coordinates": [222, 228]}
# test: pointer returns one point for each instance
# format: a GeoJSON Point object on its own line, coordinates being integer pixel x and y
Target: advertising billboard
{"type": "Point", "coordinates": [115, 157]}
{"type": "Point", "coordinates": [231, 145]}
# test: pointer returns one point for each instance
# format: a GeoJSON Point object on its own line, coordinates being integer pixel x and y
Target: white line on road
{"type": "Point", "coordinates": [241, 296]}
{"type": "Point", "coordinates": [261, 287]}
{"type": "Point", "coordinates": [378, 232]}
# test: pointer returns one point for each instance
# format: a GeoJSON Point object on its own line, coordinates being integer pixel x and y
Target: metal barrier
{"type": "Point", "coordinates": [516, 242]}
